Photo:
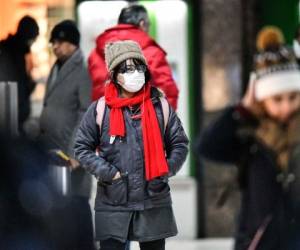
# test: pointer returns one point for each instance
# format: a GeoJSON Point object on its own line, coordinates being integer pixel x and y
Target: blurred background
{"type": "Point", "coordinates": [210, 46]}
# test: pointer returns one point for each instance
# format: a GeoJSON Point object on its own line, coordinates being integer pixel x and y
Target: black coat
{"type": "Point", "coordinates": [13, 68]}
{"type": "Point", "coordinates": [132, 192]}
{"type": "Point", "coordinates": [263, 196]}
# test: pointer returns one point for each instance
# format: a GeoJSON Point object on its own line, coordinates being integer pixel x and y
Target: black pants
{"type": "Point", "coordinates": [112, 244]}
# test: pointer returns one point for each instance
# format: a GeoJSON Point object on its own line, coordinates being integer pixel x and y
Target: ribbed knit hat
{"type": "Point", "coordinates": [66, 31]}
{"type": "Point", "coordinates": [275, 65]}
{"type": "Point", "coordinates": [119, 51]}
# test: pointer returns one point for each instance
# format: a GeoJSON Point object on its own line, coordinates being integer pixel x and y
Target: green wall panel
{"type": "Point", "coordinates": [282, 13]}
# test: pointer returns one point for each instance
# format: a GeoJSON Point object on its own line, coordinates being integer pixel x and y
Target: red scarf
{"type": "Point", "coordinates": [155, 160]}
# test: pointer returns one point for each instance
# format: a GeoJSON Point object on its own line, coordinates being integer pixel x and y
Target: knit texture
{"type": "Point", "coordinates": [275, 65]}
{"type": "Point", "coordinates": [66, 31]}
{"type": "Point", "coordinates": [117, 52]}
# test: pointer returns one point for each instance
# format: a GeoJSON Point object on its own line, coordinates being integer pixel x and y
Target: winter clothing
{"type": "Point", "coordinates": [270, 38]}
{"type": "Point", "coordinates": [288, 80]}
{"type": "Point", "coordinates": [155, 56]}
{"type": "Point", "coordinates": [66, 31]}
{"type": "Point", "coordinates": [268, 178]}
{"type": "Point", "coordinates": [155, 161]}
{"type": "Point", "coordinates": [142, 226]}
{"type": "Point", "coordinates": [131, 193]}
{"type": "Point", "coordinates": [276, 72]}
{"type": "Point", "coordinates": [126, 155]}
{"type": "Point", "coordinates": [117, 52]}
{"type": "Point", "coordinates": [67, 98]}
{"type": "Point", "coordinates": [276, 67]}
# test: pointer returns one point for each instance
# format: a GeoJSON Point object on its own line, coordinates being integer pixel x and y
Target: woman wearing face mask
{"type": "Point", "coordinates": [261, 136]}
{"type": "Point", "coordinates": [137, 154]}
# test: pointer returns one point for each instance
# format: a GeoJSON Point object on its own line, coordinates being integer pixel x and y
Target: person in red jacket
{"type": "Point", "coordinates": [133, 24]}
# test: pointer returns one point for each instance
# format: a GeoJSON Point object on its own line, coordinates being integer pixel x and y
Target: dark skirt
{"type": "Point", "coordinates": [142, 226]}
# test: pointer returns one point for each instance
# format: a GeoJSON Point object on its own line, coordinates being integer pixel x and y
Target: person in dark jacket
{"type": "Point", "coordinates": [67, 98]}
{"type": "Point", "coordinates": [13, 67]}
{"type": "Point", "coordinates": [261, 136]}
{"type": "Point", "coordinates": [133, 24]}
{"type": "Point", "coordinates": [34, 215]}
{"type": "Point", "coordinates": [136, 156]}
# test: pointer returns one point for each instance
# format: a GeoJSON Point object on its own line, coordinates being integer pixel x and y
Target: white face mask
{"type": "Point", "coordinates": [133, 82]}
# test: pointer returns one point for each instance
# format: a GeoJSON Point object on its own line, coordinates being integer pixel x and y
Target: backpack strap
{"type": "Point", "coordinates": [100, 108]}
{"type": "Point", "coordinates": [166, 111]}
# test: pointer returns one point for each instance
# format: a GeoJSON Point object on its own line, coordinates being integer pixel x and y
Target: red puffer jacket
{"type": "Point", "coordinates": [155, 55]}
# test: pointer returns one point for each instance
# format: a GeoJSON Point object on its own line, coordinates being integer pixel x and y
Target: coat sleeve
{"type": "Point", "coordinates": [86, 143]}
{"type": "Point", "coordinates": [162, 75]}
{"type": "Point", "coordinates": [83, 100]}
{"type": "Point", "coordinates": [176, 143]}
{"type": "Point", "coordinates": [220, 141]}
{"type": "Point", "coordinates": [98, 73]}
{"type": "Point", "coordinates": [84, 93]}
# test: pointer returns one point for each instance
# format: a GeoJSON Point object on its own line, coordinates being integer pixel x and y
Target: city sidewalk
{"type": "Point", "coordinates": [208, 244]}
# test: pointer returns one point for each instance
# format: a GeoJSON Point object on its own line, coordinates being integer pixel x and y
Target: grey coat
{"type": "Point", "coordinates": [67, 97]}
{"type": "Point", "coordinates": [131, 192]}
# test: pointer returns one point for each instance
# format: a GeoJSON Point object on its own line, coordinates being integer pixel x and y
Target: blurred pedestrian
{"type": "Point", "coordinates": [261, 136]}
{"type": "Point", "coordinates": [34, 216]}
{"type": "Point", "coordinates": [141, 144]}
{"type": "Point", "coordinates": [15, 68]}
{"type": "Point", "coordinates": [133, 24]}
{"type": "Point", "coordinates": [67, 98]}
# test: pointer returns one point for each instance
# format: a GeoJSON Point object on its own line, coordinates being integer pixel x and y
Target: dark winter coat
{"type": "Point", "coordinates": [131, 192]}
{"type": "Point", "coordinates": [13, 68]}
{"type": "Point", "coordinates": [161, 72]}
{"type": "Point", "coordinates": [266, 189]}
{"type": "Point", "coordinates": [66, 100]}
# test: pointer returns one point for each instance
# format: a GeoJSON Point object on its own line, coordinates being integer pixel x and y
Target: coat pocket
{"type": "Point", "coordinates": [158, 187]}
{"type": "Point", "coordinates": [115, 193]}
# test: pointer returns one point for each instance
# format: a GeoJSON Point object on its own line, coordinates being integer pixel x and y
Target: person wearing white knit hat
{"type": "Point", "coordinates": [261, 137]}
{"type": "Point", "coordinates": [274, 87]}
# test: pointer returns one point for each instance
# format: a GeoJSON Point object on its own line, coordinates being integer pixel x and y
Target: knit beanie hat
{"type": "Point", "coordinates": [275, 65]}
{"type": "Point", "coordinates": [66, 31]}
{"type": "Point", "coordinates": [119, 51]}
